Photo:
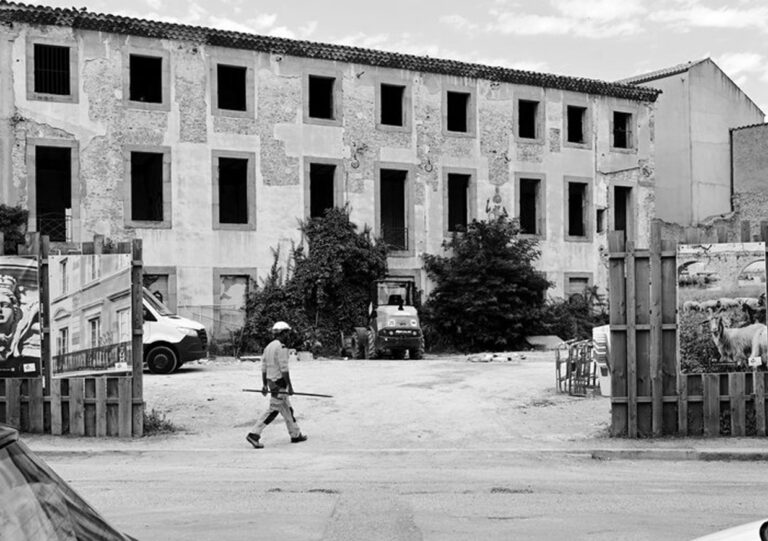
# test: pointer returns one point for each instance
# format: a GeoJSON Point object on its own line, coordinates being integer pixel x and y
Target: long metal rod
{"type": "Point", "coordinates": [286, 392]}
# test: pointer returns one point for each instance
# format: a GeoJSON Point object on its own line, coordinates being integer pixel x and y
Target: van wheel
{"type": "Point", "coordinates": [161, 360]}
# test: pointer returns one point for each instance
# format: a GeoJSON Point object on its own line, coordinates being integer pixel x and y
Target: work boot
{"type": "Point", "coordinates": [253, 439]}
{"type": "Point", "coordinates": [299, 438]}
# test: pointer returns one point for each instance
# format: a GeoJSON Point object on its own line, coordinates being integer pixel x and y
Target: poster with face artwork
{"type": "Point", "coordinates": [721, 302]}
{"type": "Point", "coordinates": [19, 317]}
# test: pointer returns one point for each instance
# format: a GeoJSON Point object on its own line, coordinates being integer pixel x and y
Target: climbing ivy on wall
{"type": "Point", "coordinates": [324, 290]}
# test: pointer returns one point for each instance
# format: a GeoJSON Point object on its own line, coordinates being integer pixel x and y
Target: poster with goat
{"type": "Point", "coordinates": [721, 290]}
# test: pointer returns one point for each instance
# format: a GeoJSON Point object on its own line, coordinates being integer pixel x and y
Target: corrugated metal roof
{"type": "Point", "coordinates": [660, 74]}
{"type": "Point", "coordinates": [13, 12]}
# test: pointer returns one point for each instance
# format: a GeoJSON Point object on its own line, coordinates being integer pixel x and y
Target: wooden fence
{"type": "Point", "coordinates": [82, 405]}
{"type": "Point", "coordinates": [650, 397]}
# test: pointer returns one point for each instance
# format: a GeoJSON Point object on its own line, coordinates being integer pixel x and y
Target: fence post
{"type": "Point", "coordinates": [656, 285]}
{"type": "Point", "coordinates": [137, 384]}
{"type": "Point", "coordinates": [618, 320]}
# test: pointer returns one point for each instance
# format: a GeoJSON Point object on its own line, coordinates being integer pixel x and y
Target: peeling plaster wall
{"type": "Point", "coordinates": [282, 142]}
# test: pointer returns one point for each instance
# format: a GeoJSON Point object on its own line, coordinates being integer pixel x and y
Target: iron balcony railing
{"type": "Point", "coordinates": [396, 238]}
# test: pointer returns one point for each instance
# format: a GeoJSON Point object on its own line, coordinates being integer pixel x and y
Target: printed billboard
{"type": "Point", "coordinates": [90, 314]}
{"type": "Point", "coordinates": [721, 299]}
{"type": "Point", "coordinates": [19, 317]}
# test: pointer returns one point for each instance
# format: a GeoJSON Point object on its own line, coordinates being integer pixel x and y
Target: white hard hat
{"type": "Point", "coordinates": [281, 326]}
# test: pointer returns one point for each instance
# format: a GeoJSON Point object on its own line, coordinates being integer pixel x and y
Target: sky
{"type": "Point", "coordinates": [599, 39]}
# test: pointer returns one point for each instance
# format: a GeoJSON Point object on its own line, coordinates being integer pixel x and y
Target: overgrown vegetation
{"type": "Point", "coordinates": [156, 423]}
{"type": "Point", "coordinates": [13, 225]}
{"type": "Point", "coordinates": [573, 317]}
{"type": "Point", "coordinates": [487, 292]}
{"type": "Point", "coordinates": [323, 290]}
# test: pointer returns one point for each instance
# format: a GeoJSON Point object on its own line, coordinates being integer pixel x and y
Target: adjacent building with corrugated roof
{"type": "Point", "coordinates": [210, 145]}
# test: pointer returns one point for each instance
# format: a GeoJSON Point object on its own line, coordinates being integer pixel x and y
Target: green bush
{"type": "Point", "coordinates": [487, 291]}
{"type": "Point", "coordinates": [571, 318]}
{"type": "Point", "coordinates": [156, 423]}
{"type": "Point", "coordinates": [13, 224]}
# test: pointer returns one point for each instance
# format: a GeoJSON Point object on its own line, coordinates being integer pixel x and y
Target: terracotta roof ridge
{"type": "Point", "coordinates": [661, 73]}
{"type": "Point", "coordinates": [88, 20]}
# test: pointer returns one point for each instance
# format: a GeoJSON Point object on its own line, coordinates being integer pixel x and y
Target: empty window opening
{"type": "Point", "coordinates": [52, 69]}
{"type": "Point", "coordinates": [576, 287]}
{"type": "Point", "coordinates": [62, 341]}
{"type": "Point", "coordinates": [53, 182]}
{"type": "Point", "coordinates": [577, 200]}
{"type": "Point", "coordinates": [576, 116]}
{"type": "Point", "coordinates": [527, 113]}
{"type": "Point", "coordinates": [529, 206]}
{"type": "Point", "coordinates": [146, 79]}
{"type": "Point", "coordinates": [147, 186]}
{"type": "Point", "coordinates": [458, 187]}
{"type": "Point", "coordinates": [321, 97]}
{"type": "Point", "coordinates": [231, 87]}
{"type": "Point", "coordinates": [392, 104]}
{"type": "Point", "coordinates": [233, 191]}
{"type": "Point", "coordinates": [392, 196]}
{"type": "Point", "coordinates": [622, 130]}
{"type": "Point", "coordinates": [458, 111]}
{"type": "Point", "coordinates": [94, 332]}
{"type": "Point", "coordinates": [600, 220]}
{"type": "Point", "coordinates": [321, 188]}
{"type": "Point", "coordinates": [621, 199]}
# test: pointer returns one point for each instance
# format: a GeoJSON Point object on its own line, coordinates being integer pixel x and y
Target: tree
{"type": "Point", "coordinates": [328, 289]}
{"type": "Point", "coordinates": [487, 290]}
{"type": "Point", "coordinates": [13, 222]}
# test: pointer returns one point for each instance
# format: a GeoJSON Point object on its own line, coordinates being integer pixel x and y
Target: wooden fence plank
{"type": "Point", "coordinates": [759, 390]}
{"type": "Point", "coordinates": [617, 318]}
{"type": "Point", "coordinates": [736, 389]}
{"type": "Point", "coordinates": [77, 406]}
{"type": "Point", "coordinates": [101, 406]}
{"type": "Point", "coordinates": [746, 231]}
{"type": "Point", "coordinates": [711, 391]}
{"type": "Point", "coordinates": [125, 408]}
{"type": "Point", "coordinates": [137, 382]}
{"type": "Point", "coordinates": [656, 353]}
{"type": "Point", "coordinates": [13, 402]}
{"type": "Point", "coordinates": [56, 420]}
{"type": "Point", "coordinates": [36, 405]}
{"type": "Point", "coordinates": [631, 342]}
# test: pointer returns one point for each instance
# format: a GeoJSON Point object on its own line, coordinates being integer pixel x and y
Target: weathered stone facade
{"type": "Point", "coordinates": [199, 257]}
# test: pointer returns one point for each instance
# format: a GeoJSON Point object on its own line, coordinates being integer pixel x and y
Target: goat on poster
{"type": "Point", "coordinates": [721, 299]}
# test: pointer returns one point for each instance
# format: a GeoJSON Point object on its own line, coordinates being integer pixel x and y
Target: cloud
{"type": "Point", "coordinates": [262, 23]}
{"type": "Point", "coordinates": [735, 64]}
{"type": "Point", "coordinates": [532, 25]}
{"type": "Point", "coordinates": [599, 10]}
{"type": "Point", "coordinates": [458, 22]}
{"type": "Point", "coordinates": [693, 14]}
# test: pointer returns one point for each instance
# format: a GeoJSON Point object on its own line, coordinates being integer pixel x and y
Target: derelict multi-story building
{"type": "Point", "coordinates": [210, 145]}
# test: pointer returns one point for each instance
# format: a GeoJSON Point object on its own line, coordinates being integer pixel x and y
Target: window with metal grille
{"type": "Point", "coordinates": [52, 69]}
{"type": "Point", "coordinates": [622, 130]}
{"type": "Point", "coordinates": [392, 208]}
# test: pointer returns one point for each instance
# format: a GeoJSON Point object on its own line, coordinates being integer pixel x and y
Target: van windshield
{"type": "Point", "coordinates": [158, 306]}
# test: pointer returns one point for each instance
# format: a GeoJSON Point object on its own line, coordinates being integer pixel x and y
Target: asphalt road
{"type": "Point", "coordinates": [290, 493]}
{"type": "Point", "coordinates": [442, 449]}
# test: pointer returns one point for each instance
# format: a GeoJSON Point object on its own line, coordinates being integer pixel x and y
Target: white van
{"type": "Point", "coordinates": [170, 340]}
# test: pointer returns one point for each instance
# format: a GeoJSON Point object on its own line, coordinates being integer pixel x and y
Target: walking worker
{"type": "Point", "coordinates": [276, 379]}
